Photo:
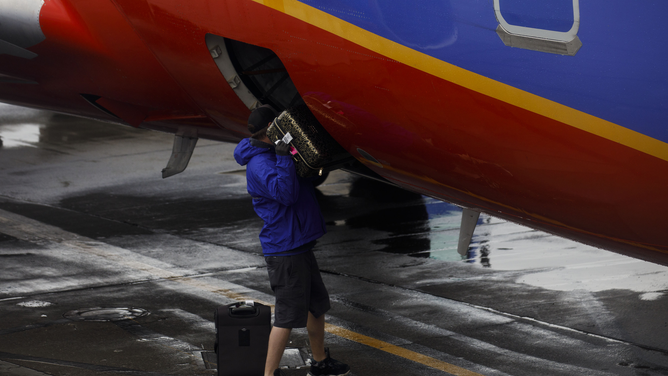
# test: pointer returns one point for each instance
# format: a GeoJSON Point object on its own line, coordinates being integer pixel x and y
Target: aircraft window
{"type": "Point", "coordinates": [548, 26]}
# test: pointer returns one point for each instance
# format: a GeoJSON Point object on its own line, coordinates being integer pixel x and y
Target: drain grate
{"type": "Point", "coordinates": [105, 314]}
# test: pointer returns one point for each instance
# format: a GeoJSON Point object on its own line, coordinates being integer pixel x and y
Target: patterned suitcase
{"type": "Point", "coordinates": [242, 338]}
{"type": "Point", "coordinates": [315, 151]}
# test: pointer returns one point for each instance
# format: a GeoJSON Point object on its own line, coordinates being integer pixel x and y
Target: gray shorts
{"type": "Point", "coordinates": [299, 289]}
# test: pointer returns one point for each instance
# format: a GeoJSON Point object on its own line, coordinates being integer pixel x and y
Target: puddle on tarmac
{"type": "Point", "coordinates": [25, 127]}
{"type": "Point", "coordinates": [20, 126]}
{"type": "Point", "coordinates": [560, 264]}
{"type": "Point", "coordinates": [34, 304]}
{"type": "Point", "coordinates": [428, 228]}
{"type": "Point", "coordinates": [20, 135]}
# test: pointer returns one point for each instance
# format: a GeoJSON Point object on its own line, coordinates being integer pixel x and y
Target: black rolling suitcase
{"type": "Point", "coordinates": [315, 151]}
{"type": "Point", "coordinates": [242, 338]}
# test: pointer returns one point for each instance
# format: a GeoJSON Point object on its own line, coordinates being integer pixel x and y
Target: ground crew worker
{"type": "Point", "coordinates": [292, 224]}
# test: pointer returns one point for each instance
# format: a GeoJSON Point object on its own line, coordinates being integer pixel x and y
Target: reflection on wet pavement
{"type": "Point", "coordinates": [21, 128]}
{"type": "Point", "coordinates": [87, 226]}
{"type": "Point", "coordinates": [427, 228]}
{"type": "Point", "coordinates": [19, 135]}
{"type": "Point", "coordinates": [405, 220]}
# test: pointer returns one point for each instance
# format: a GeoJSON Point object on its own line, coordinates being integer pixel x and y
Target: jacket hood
{"type": "Point", "coordinates": [248, 148]}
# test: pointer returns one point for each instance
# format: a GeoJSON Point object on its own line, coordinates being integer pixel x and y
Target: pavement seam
{"type": "Point", "coordinates": [63, 363]}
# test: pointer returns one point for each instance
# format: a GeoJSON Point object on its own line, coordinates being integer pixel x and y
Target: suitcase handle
{"type": "Point", "coordinates": [243, 310]}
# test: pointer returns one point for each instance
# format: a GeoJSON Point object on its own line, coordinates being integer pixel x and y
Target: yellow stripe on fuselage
{"type": "Point", "coordinates": [470, 80]}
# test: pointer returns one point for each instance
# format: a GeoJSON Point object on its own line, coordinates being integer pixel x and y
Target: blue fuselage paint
{"type": "Point", "coordinates": [618, 75]}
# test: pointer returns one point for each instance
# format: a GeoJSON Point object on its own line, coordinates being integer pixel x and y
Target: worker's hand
{"type": "Point", "coordinates": [282, 148]}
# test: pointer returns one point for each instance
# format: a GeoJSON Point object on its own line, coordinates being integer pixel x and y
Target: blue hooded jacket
{"type": "Point", "coordinates": [285, 202]}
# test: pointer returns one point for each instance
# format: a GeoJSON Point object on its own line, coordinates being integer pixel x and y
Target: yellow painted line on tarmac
{"type": "Point", "coordinates": [399, 351]}
{"type": "Point", "coordinates": [36, 232]}
{"type": "Point", "coordinates": [350, 335]}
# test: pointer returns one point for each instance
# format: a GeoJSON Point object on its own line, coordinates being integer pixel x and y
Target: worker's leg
{"type": "Point", "coordinates": [278, 339]}
{"type": "Point", "coordinates": [316, 335]}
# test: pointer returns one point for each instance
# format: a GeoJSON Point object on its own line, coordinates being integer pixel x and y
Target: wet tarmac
{"type": "Point", "coordinates": [107, 269]}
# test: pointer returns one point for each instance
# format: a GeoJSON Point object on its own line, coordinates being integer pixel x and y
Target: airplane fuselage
{"type": "Point", "coordinates": [551, 115]}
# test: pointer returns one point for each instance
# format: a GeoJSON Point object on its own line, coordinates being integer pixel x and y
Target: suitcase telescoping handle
{"type": "Point", "coordinates": [244, 309]}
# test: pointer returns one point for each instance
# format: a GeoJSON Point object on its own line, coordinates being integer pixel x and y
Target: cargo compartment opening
{"type": "Point", "coordinates": [255, 73]}
{"type": "Point", "coordinates": [257, 76]}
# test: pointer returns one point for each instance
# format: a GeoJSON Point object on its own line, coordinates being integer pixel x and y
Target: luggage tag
{"type": "Point", "coordinates": [287, 139]}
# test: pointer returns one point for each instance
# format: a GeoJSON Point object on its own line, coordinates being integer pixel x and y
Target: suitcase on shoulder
{"type": "Point", "coordinates": [242, 338]}
{"type": "Point", "coordinates": [315, 151]}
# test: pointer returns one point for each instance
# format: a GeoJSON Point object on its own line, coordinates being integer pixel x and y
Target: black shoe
{"type": "Point", "coordinates": [328, 367]}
